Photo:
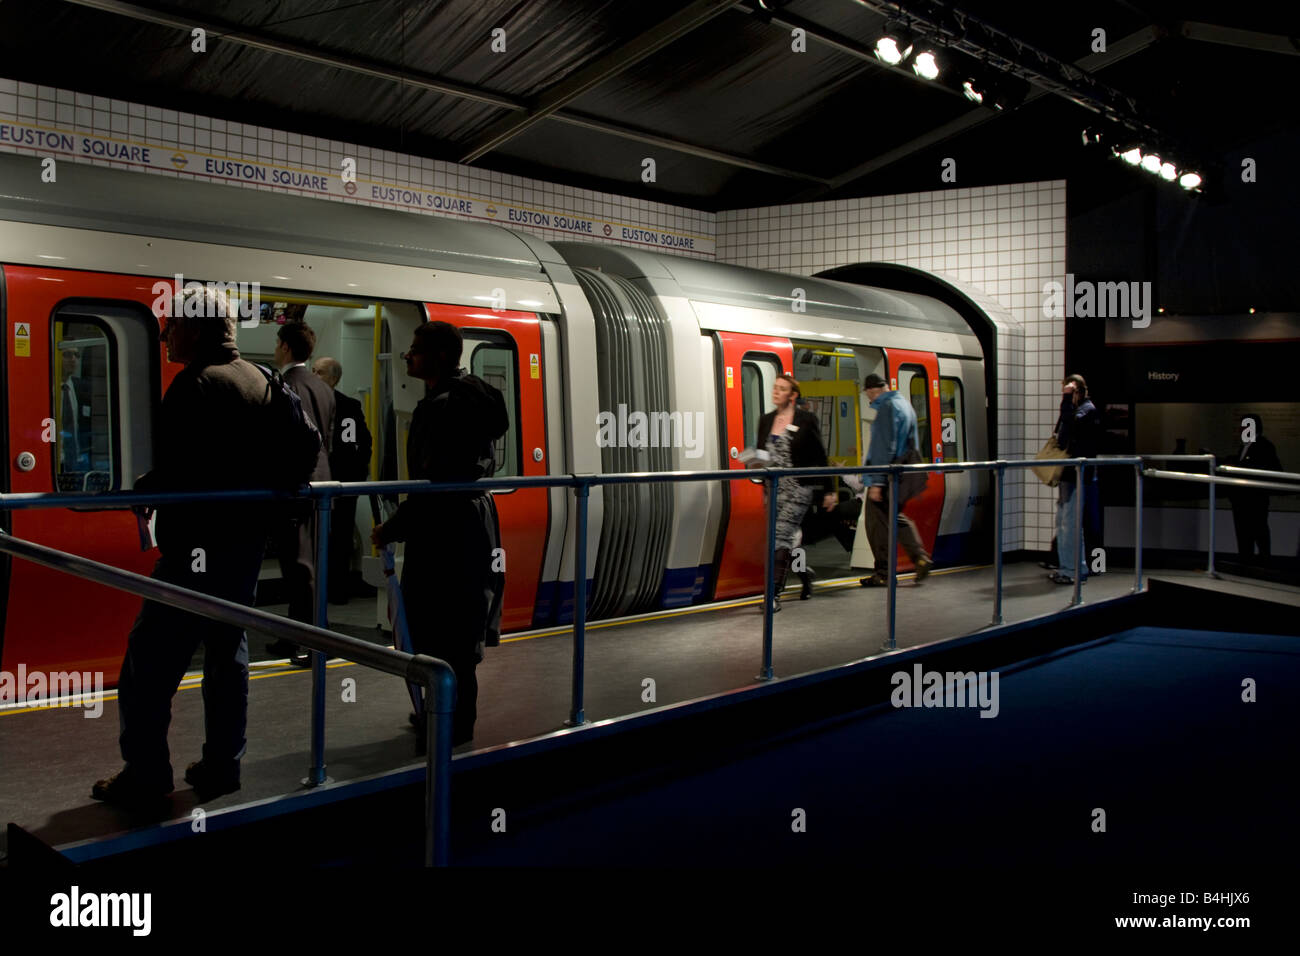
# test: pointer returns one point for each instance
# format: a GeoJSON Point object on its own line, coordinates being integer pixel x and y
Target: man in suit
{"type": "Point", "coordinates": [294, 534]}
{"type": "Point", "coordinates": [1250, 505]}
{"type": "Point", "coordinates": [74, 411]}
{"type": "Point", "coordinates": [216, 433]}
{"type": "Point", "coordinates": [349, 461]}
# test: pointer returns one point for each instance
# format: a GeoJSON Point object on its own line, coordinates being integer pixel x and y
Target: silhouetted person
{"type": "Point", "coordinates": [349, 461]}
{"type": "Point", "coordinates": [1250, 505]}
{"type": "Point", "coordinates": [74, 411]}
{"type": "Point", "coordinates": [1078, 432]}
{"type": "Point", "coordinates": [214, 432]}
{"type": "Point", "coordinates": [294, 535]}
{"type": "Point", "coordinates": [451, 592]}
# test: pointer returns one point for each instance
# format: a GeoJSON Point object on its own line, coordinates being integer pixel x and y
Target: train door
{"type": "Point", "coordinates": [84, 374]}
{"type": "Point", "coordinates": [748, 368]}
{"type": "Point", "coordinates": [916, 375]}
{"type": "Point", "coordinates": [505, 350]}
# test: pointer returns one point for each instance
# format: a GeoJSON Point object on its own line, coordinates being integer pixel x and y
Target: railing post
{"type": "Point", "coordinates": [582, 494]}
{"type": "Point", "coordinates": [998, 518]}
{"type": "Point", "coordinates": [769, 588]}
{"type": "Point", "coordinates": [892, 566]}
{"type": "Point", "coordinates": [439, 707]}
{"type": "Point", "coordinates": [316, 772]}
{"type": "Point", "coordinates": [1213, 515]}
{"type": "Point", "coordinates": [1137, 540]}
{"type": "Point", "coordinates": [1077, 598]}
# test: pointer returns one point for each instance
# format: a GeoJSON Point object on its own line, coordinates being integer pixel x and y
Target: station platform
{"type": "Point", "coordinates": [53, 755]}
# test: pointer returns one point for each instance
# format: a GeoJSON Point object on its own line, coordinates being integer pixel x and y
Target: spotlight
{"type": "Point", "coordinates": [925, 65]}
{"type": "Point", "coordinates": [1132, 156]}
{"type": "Point", "coordinates": [890, 50]}
{"type": "Point", "coordinates": [1090, 137]}
{"type": "Point", "coordinates": [1151, 163]}
{"type": "Point", "coordinates": [1168, 172]}
{"type": "Point", "coordinates": [1189, 181]}
{"type": "Point", "coordinates": [971, 93]}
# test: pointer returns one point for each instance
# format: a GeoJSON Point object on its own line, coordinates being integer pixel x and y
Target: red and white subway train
{"type": "Point", "coordinates": [611, 359]}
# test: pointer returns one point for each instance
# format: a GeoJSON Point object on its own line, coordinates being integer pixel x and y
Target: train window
{"type": "Point", "coordinates": [912, 383]}
{"type": "Point", "coordinates": [757, 376]}
{"type": "Point", "coordinates": [86, 456]}
{"type": "Point", "coordinates": [952, 424]}
{"type": "Point", "coordinates": [495, 363]}
{"type": "Point", "coordinates": [104, 382]}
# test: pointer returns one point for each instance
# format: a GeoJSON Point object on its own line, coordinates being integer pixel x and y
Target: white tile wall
{"type": "Point", "coordinates": [77, 113]}
{"type": "Point", "coordinates": [999, 244]}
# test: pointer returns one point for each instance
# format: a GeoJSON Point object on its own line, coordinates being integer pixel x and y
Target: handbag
{"type": "Point", "coordinates": [911, 483]}
{"type": "Point", "coordinates": [1049, 475]}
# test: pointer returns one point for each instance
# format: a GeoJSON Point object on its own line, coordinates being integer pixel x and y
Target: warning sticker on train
{"type": "Point", "coordinates": [22, 340]}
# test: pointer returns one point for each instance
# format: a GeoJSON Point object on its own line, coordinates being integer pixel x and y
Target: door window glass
{"type": "Point", "coordinates": [495, 363]}
{"type": "Point", "coordinates": [757, 376]}
{"type": "Point", "coordinates": [952, 425]}
{"type": "Point", "coordinates": [86, 454]}
{"type": "Point", "coordinates": [913, 384]}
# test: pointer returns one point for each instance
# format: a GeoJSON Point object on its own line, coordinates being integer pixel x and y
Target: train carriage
{"type": "Point", "coordinates": [611, 360]}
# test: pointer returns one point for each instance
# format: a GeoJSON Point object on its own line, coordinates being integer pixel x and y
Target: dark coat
{"type": "Point", "coordinates": [450, 587]}
{"type": "Point", "coordinates": [77, 442]}
{"type": "Point", "coordinates": [1078, 432]}
{"type": "Point", "coordinates": [806, 449]}
{"type": "Point", "coordinates": [1261, 454]}
{"type": "Point", "coordinates": [349, 461]}
{"type": "Point", "coordinates": [318, 404]}
{"type": "Point", "coordinates": [213, 433]}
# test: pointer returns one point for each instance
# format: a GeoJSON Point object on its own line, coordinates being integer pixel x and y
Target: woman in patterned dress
{"type": "Point", "coordinates": [793, 438]}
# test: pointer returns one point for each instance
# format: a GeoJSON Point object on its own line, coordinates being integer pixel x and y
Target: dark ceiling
{"type": "Point", "coordinates": [709, 88]}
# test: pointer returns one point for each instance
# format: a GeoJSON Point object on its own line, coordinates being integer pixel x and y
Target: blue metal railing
{"type": "Point", "coordinates": [435, 674]}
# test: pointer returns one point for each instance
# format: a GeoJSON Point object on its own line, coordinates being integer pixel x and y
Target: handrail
{"type": "Point", "coordinates": [1237, 469]}
{"type": "Point", "coordinates": [434, 674]}
{"type": "Point", "coordinates": [1217, 480]}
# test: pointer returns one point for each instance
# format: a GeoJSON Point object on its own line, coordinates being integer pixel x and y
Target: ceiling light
{"type": "Point", "coordinates": [925, 65]}
{"type": "Point", "coordinates": [972, 94]}
{"type": "Point", "coordinates": [1189, 180]}
{"type": "Point", "coordinates": [1151, 163]}
{"type": "Point", "coordinates": [1133, 156]}
{"type": "Point", "coordinates": [1167, 172]}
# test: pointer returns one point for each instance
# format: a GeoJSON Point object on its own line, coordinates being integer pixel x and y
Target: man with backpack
{"type": "Point", "coordinates": [451, 587]}
{"type": "Point", "coordinates": [217, 429]}
{"type": "Point", "coordinates": [294, 535]}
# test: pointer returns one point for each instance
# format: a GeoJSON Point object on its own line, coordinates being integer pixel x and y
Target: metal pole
{"type": "Point", "coordinates": [440, 705]}
{"type": "Point", "coordinates": [582, 493]}
{"type": "Point", "coordinates": [998, 518]}
{"type": "Point", "coordinates": [1213, 515]}
{"type": "Point", "coordinates": [892, 567]}
{"type": "Point", "coordinates": [769, 589]}
{"type": "Point", "coordinates": [316, 772]}
{"type": "Point", "coordinates": [1077, 599]}
{"type": "Point", "coordinates": [1137, 541]}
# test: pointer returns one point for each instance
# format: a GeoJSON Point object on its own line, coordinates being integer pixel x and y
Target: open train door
{"type": "Point", "coordinates": [916, 375]}
{"type": "Point", "coordinates": [749, 364]}
{"type": "Point", "coordinates": [504, 348]}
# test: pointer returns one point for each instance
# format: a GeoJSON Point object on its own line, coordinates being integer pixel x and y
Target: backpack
{"type": "Point", "coordinates": [294, 443]}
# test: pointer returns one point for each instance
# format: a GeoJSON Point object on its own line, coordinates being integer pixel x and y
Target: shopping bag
{"type": "Point", "coordinates": [1049, 475]}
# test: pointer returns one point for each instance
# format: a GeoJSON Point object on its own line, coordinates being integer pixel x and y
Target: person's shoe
{"type": "Point", "coordinates": [1059, 578]}
{"type": "Point", "coordinates": [776, 604]}
{"type": "Point", "coordinates": [923, 569]}
{"type": "Point", "coordinates": [126, 789]}
{"type": "Point", "coordinates": [807, 591]}
{"type": "Point", "coordinates": [209, 784]}
{"type": "Point", "coordinates": [875, 581]}
{"type": "Point", "coordinates": [1048, 565]}
{"type": "Point", "coordinates": [299, 659]}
